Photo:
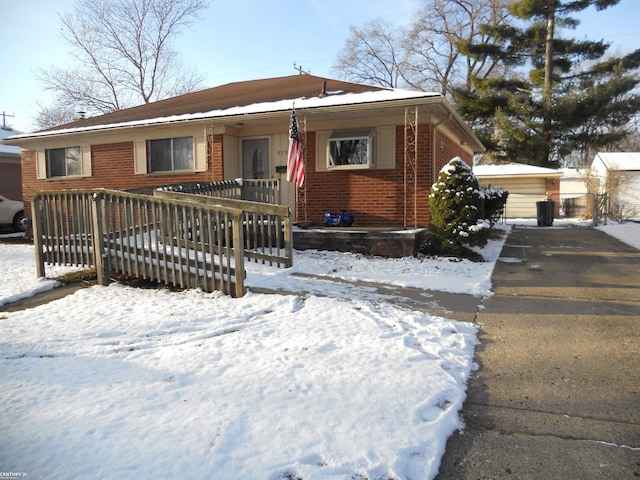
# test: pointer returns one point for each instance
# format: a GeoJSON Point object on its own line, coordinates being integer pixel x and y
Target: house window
{"type": "Point", "coordinates": [349, 149]}
{"type": "Point", "coordinates": [170, 154]}
{"type": "Point", "coordinates": [64, 162]}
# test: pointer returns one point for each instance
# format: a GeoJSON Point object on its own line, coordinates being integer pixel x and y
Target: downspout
{"type": "Point", "coordinates": [206, 152]}
{"type": "Point", "coordinates": [434, 127]}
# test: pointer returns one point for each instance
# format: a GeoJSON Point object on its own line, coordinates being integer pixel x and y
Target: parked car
{"type": "Point", "coordinates": [12, 214]}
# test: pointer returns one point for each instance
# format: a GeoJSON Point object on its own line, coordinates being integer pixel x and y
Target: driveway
{"type": "Point", "coordinates": [557, 392]}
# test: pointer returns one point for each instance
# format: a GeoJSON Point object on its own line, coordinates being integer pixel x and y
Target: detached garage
{"type": "Point", "coordinates": [619, 174]}
{"type": "Point", "coordinates": [526, 184]}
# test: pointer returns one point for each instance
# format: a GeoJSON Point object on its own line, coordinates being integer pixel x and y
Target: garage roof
{"type": "Point", "coordinates": [514, 169]}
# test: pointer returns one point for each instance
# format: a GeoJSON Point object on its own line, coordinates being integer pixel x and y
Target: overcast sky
{"type": "Point", "coordinates": [237, 40]}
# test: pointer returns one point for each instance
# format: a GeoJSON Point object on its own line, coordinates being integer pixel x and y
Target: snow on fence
{"type": "Point", "coordinates": [267, 227]}
{"type": "Point", "coordinates": [189, 241]}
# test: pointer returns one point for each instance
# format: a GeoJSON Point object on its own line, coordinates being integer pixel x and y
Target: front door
{"type": "Point", "coordinates": [267, 158]}
{"type": "Point", "coordinates": [255, 158]}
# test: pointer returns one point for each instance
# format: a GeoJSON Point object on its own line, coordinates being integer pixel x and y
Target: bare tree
{"type": "Point", "coordinates": [631, 143]}
{"type": "Point", "coordinates": [435, 58]}
{"type": "Point", "coordinates": [372, 55]}
{"type": "Point", "coordinates": [611, 184]}
{"type": "Point", "coordinates": [123, 53]}
{"type": "Point", "coordinates": [50, 116]}
{"type": "Point", "coordinates": [426, 56]}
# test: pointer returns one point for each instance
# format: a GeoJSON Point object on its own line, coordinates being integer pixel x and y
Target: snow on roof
{"type": "Point", "coordinates": [511, 169]}
{"type": "Point", "coordinates": [8, 149]}
{"type": "Point", "coordinates": [256, 108]}
{"type": "Point", "coordinates": [573, 173]}
{"type": "Point", "coordinates": [619, 160]}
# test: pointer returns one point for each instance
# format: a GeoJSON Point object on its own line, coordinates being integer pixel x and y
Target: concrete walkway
{"type": "Point", "coordinates": [557, 392]}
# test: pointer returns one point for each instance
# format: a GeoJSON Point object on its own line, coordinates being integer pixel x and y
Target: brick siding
{"type": "Point", "coordinates": [377, 197]}
{"type": "Point", "coordinates": [112, 166]}
{"type": "Point", "coordinates": [10, 184]}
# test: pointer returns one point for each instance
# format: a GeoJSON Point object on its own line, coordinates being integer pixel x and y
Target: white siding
{"type": "Point", "coordinates": [523, 194]}
{"type": "Point", "coordinates": [629, 194]}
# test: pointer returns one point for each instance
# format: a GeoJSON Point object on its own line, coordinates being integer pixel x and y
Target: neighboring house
{"type": "Point", "coordinates": [10, 171]}
{"type": "Point", "coordinates": [372, 151]}
{"type": "Point", "coordinates": [576, 200]}
{"type": "Point", "coordinates": [574, 182]}
{"type": "Point", "coordinates": [620, 179]}
{"type": "Point", "coordinates": [526, 184]}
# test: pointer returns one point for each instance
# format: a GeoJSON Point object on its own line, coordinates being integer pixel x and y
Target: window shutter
{"type": "Point", "coordinates": [386, 147]}
{"type": "Point", "coordinates": [41, 164]}
{"type": "Point", "coordinates": [140, 158]}
{"type": "Point", "coordinates": [86, 161]}
{"type": "Point", "coordinates": [322, 143]}
{"type": "Point", "coordinates": [200, 154]}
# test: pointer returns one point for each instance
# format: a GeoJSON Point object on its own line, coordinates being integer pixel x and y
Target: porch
{"type": "Point", "coordinates": [390, 241]}
{"type": "Point", "coordinates": [371, 241]}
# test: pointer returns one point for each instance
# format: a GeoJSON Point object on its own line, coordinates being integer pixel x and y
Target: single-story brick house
{"type": "Point", "coordinates": [240, 130]}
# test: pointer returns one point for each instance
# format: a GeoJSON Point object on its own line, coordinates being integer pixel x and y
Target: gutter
{"type": "Point", "coordinates": [278, 108]}
{"type": "Point", "coordinates": [521, 175]}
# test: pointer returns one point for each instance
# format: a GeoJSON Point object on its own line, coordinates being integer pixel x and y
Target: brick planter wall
{"type": "Point", "coordinates": [383, 243]}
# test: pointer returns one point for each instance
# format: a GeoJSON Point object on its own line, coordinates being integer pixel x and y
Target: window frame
{"type": "Point", "coordinates": [172, 151]}
{"type": "Point", "coordinates": [368, 134]}
{"type": "Point", "coordinates": [76, 160]}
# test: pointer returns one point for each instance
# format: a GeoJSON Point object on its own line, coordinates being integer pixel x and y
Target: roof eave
{"type": "Point", "coordinates": [521, 175]}
{"type": "Point", "coordinates": [209, 118]}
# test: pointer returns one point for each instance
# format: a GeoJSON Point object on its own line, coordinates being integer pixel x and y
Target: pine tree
{"type": "Point", "coordinates": [564, 95]}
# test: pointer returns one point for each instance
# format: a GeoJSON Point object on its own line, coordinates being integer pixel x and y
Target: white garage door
{"type": "Point", "coordinates": [523, 194]}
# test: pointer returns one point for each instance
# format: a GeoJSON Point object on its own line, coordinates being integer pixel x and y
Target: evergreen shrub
{"type": "Point", "coordinates": [494, 202]}
{"type": "Point", "coordinates": [456, 206]}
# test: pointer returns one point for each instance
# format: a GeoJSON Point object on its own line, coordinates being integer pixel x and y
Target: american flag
{"type": "Point", "coordinates": [295, 165]}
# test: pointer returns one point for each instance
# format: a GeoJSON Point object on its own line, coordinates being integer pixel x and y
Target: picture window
{"type": "Point", "coordinates": [170, 154]}
{"type": "Point", "coordinates": [64, 162]}
{"type": "Point", "coordinates": [351, 149]}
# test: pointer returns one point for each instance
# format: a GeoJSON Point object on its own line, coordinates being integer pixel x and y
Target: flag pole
{"type": "Point", "coordinates": [295, 159]}
{"type": "Point", "coordinates": [296, 192]}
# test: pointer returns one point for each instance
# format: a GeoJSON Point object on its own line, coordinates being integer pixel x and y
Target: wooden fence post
{"type": "Point", "coordinates": [37, 236]}
{"type": "Point", "coordinates": [97, 213]}
{"type": "Point", "coordinates": [288, 241]}
{"type": "Point", "coordinates": [238, 252]}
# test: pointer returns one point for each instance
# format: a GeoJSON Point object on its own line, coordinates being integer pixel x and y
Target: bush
{"type": "Point", "coordinates": [494, 201]}
{"type": "Point", "coordinates": [456, 205]}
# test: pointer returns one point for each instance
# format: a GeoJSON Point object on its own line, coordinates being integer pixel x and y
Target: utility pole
{"type": "Point", "coordinates": [4, 119]}
{"type": "Point", "coordinates": [300, 70]}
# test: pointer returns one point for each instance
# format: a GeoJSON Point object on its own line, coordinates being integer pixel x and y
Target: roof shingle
{"type": "Point", "coordinates": [227, 96]}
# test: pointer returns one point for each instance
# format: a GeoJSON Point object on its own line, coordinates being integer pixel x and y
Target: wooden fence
{"type": "Point", "coordinates": [266, 228]}
{"type": "Point", "coordinates": [186, 240]}
{"type": "Point", "coordinates": [253, 190]}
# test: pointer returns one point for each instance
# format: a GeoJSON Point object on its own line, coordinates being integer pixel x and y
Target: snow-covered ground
{"type": "Point", "coordinates": [117, 382]}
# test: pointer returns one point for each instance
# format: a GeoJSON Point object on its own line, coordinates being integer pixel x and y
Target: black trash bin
{"type": "Point", "coordinates": [546, 212]}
